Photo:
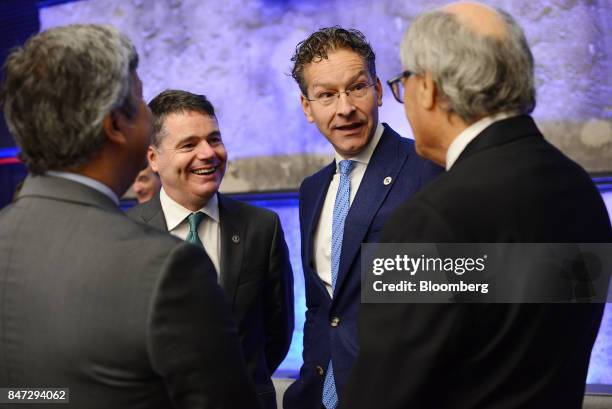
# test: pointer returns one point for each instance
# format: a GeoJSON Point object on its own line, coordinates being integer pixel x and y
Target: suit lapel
{"type": "Point", "coordinates": [386, 161]}
{"type": "Point", "coordinates": [233, 228]}
{"type": "Point", "coordinates": [312, 211]}
{"type": "Point", "coordinates": [152, 213]}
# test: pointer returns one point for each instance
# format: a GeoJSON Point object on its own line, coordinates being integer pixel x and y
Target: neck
{"type": "Point", "coordinates": [192, 203]}
{"type": "Point", "coordinates": [447, 128]}
{"type": "Point", "coordinates": [107, 169]}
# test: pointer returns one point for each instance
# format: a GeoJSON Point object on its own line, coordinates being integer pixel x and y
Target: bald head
{"type": "Point", "coordinates": [479, 18]}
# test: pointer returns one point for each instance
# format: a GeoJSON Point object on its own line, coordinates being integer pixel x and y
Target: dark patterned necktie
{"type": "Point", "coordinates": [194, 220]}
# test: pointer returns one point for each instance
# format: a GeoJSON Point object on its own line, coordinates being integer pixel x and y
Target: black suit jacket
{"type": "Point", "coordinates": [257, 278]}
{"type": "Point", "coordinates": [123, 315]}
{"type": "Point", "coordinates": [509, 185]}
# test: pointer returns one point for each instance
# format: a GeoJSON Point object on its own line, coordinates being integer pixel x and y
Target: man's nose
{"type": "Point", "coordinates": [344, 105]}
{"type": "Point", "coordinates": [204, 150]}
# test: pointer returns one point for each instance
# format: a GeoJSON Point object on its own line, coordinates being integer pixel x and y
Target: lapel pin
{"type": "Point", "coordinates": [236, 239]}
{"type": "Point", "coordinates": [387, 180]}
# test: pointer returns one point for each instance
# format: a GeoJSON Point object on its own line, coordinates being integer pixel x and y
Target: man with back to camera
{"type": "Point", "coordinates": [78, 310]}
{"type": "Point", "coordinates": [246, 243]}
{"type": "Point", "coordinates": [345, 203]}
{"type": "Point", "coordinates": [468, 90]}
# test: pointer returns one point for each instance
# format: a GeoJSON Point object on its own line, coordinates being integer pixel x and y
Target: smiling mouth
{"type": "Point", "coordinates": [205, 171]}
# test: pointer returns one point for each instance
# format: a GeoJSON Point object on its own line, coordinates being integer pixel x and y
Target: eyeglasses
{"type": "Point", "coordinates": [397, 85]}
{"type": "Point", "coordinates": [357, 90]}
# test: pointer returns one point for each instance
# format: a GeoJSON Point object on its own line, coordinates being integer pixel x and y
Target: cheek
{"type": "Point", "coordinates": [221, 153]}
{"type": "Point", "coordinates": [321, 120]}
{"type": "Point", "coordinates": [179, 165]}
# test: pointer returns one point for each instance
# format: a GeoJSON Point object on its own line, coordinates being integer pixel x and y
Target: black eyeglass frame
{"type": "Point", "coordinates": [395, 85]}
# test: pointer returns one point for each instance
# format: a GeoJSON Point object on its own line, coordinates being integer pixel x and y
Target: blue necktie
{"type": "Point", "coordinates": [341, 209]}
{"type": "Point", "coordinates": [194, 220]}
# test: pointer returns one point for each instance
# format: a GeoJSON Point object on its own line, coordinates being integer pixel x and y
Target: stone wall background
{"type": "Point", "coordinates": [238, 52]}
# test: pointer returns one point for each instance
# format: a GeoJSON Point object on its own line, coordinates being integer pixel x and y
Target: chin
{"type": "Point", "coordinates": [352, 150]}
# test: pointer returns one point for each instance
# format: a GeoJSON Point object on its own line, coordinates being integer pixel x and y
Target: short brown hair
{"type": "Point", "coordinates": [173, 101]}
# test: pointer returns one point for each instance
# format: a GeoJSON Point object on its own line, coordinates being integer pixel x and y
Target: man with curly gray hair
{"type": "Point", "coordinates": [468, 90]}
{"type": "Point", "coordinates": [79, 312]}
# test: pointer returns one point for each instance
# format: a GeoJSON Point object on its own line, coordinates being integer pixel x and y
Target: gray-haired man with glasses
{"type": "Point", "coordinates": [468, 97]}
{"type": "Point", "coordinates": [344, 204]}
{"type": "Point", "coordinates": [397, 85]}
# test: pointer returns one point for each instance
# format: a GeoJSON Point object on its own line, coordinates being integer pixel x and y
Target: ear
{"type": "Point", "coordinates": [113, 125]}
{"type": "Point", "coordinates": [307, 108]}
{"type": "Point", "coordinates": [427, 91]}
{"type": "Point", "coordinates": [379, 91]}
{"type": "Point", "coordinates": [152, 157]}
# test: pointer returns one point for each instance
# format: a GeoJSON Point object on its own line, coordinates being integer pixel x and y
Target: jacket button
{"type": "Point", "coordinates": [335, 321]}
{"type": "Point", "coordinates": [320, 370]}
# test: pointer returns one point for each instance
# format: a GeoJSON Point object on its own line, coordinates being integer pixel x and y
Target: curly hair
{"type": "Point", "coordinates": [319, 43]}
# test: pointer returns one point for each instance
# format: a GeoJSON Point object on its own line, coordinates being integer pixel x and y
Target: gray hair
{"type": "Point", "coordinates": [58, 88]}
{"type": "Point", "coordinates": [478, 75]}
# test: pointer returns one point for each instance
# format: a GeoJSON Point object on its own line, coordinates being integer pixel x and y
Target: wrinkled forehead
{"type": "Point", "coordinates": [341, 67]}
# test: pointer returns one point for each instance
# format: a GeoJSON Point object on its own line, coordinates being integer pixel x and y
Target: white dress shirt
{"type": "Point", "coordinates": [209, 229]}
{"type": "Point", "coordinates": [323, 233]}
{"type": "Point", "coordinates": [87, 181]}
{"type": "Point", "coordinates": [469, 134]}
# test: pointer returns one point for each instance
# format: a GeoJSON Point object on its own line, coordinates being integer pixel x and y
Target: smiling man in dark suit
{"type": "Point", "coordinates": [246, 243]}
{"type": "Point", "coordinates": [468, 89]}
{"type": "Point", "coordinates": [345, 203]}
{"type": "Point", "coordinates": [78, 310]}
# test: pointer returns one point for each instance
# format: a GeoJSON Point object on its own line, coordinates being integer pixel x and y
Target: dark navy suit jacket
{"type": "Point", "coordinates": [330, 330]}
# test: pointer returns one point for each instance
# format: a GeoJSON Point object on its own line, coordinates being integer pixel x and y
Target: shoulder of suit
{"type": "Point", "coordinates": [318, 174]}
{"type": "Point", "coordinates": [135, 211]}
{"type": "Point", "coordinates": [245, 209]}
{"type": "Point", "coordinates": [148, 231]}
{"type": "Point", "coordinates": [404, 143]}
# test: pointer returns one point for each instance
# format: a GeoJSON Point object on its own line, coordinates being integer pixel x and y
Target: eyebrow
{"type": "Point", "coordinates": [196, 137]}
{"type": "Point", "coordinates": [351, 80]}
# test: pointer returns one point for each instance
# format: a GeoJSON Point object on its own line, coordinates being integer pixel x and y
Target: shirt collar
{"type": "Point", "coordinates": [175, 213]}
{"type": "Point", "coordinates": [87, 181]}
{"type": "Point", "coordinates": [469, 134]}
{"type": "Point", "coordinates": [366, 154]}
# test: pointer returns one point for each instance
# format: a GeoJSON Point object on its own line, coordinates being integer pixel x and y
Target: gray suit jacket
{"type": "Point", "coordinates": [257, 278]}
{"type": "Point", "coordinates": [124, 316]}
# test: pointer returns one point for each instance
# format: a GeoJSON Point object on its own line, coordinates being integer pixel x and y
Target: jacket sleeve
{"type": "Point", "coordinates": [279, 315]}
{"type": "Point", "coordinates": [311, 305]}
{"type": "Point", "coordinates": [192, 340]}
